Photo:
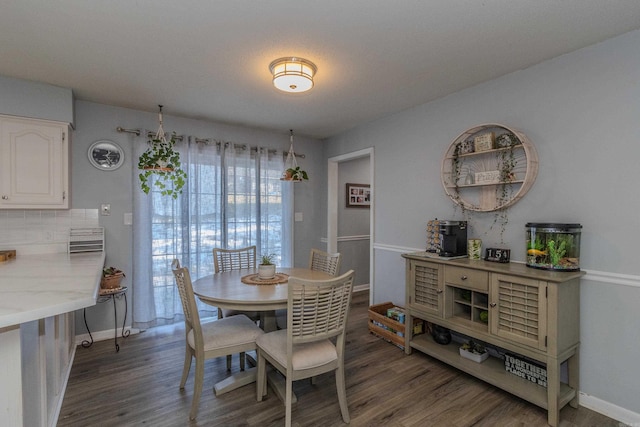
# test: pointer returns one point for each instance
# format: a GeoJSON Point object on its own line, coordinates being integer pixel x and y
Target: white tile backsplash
{"type": "Point", "coordinates": [34, 227]}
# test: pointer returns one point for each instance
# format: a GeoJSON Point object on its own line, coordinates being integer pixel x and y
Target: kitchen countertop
{"type": "Point", "coordinates": [34, 287]}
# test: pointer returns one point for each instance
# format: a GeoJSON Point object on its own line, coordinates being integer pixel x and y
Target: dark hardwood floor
{"type": "Point", "coordinates": [139, 387]}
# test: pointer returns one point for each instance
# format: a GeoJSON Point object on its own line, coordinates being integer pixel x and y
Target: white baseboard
{"type": "Point", "coordinates": [360, 288]}
{"type": "Point", "coordinates": [625, 416]}
{"type": "Point", "coordinates": [109, 334]}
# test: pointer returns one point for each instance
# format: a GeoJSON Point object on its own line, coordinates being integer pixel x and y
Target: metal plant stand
{"type": "Point", "coordinates": [120, 293]}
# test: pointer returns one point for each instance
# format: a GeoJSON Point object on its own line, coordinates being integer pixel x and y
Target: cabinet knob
{"type": "Point", "coordinates": [493, 304]}
{"type": "Point", "coordinates": [463, 277]}
{"type": "Point", "coordinates": [5, 197]}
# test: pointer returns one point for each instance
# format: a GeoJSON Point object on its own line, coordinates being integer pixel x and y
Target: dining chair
{"type": "Point", "coordinates": [323, 261]}
{"type": "Point", "coordinates": [208, 340]}
{"type": "Point", "coordinates": [235, 259]}
{"type": "Point", "coordinates": [318, 261]}
{"type": "Point", "coordinates": [318, 311]}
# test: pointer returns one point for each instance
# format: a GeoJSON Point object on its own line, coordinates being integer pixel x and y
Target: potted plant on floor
{"type": "Point", "coordinates": [267, 269]}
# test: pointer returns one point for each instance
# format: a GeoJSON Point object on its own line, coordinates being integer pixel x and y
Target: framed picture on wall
{"type": "Point", "coordinates": [358, 196]}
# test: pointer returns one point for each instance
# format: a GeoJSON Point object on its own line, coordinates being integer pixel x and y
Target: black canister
{"type": "Point", "coordinates": [440, 334]}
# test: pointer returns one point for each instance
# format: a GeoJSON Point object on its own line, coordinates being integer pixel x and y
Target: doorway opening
{"type": "Point", "coordinates": [333, 208]}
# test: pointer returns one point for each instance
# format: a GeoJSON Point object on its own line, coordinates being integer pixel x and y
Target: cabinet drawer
{"type": "Point", "coordinates": [466, 277]}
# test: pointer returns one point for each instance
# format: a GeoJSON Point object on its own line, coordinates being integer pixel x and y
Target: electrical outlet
{"type": "Point", "coordinates": [105, 209]}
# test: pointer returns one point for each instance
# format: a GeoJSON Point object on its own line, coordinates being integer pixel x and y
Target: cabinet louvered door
{"type": "Point", "coordinates": [426, 292]}
{"type": "Point", "coordinates": [518, 310]}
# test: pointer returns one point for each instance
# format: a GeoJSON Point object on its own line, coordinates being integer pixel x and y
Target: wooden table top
{"type": "Point", "coordinates": [226, 290]}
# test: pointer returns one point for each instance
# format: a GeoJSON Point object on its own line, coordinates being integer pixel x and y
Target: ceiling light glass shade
{"type": "Point", "coordinates": [293, 74]}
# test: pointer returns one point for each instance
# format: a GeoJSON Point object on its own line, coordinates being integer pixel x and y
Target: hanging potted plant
{"type": "Point", "coordinates": [292, 171]}
{"type": "Point", "coordinates": [295, 174]}
{"type": "Point", "coordinates": [162, 161]}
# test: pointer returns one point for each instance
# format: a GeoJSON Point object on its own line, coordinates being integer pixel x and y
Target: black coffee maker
{"type": "Point", "coordinates": [453, 238]}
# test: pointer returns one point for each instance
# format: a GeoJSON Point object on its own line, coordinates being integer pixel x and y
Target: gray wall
{"type": "Point", "coordinates": [92, 187]}
{"type": "Point", "coordinates": [35, 100]}
{"type": "Point", "coordinates": [581, 111]}
{"type": "Point", "coordinates": [353, 223]}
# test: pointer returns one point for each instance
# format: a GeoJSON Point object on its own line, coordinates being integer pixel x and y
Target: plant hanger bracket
{"type": "Point", "coordinates": [160, 134]}
{"type": "Point", "coordinates": [291, 161]}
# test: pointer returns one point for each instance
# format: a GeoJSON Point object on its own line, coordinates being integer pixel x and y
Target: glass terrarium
{"type": "Point", "coordinates": [553, 246]}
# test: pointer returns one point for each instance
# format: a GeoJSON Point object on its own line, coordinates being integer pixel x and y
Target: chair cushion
{"type": "Point", "coordinates": [305, 356]}
{"type": "Point", "coordinates": [227, 332]}
{"type": "Point", "coordinates": [253, 315]}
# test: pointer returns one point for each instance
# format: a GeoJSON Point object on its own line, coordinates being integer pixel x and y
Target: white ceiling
{"type": "Point", "coordinates": [209, 59]}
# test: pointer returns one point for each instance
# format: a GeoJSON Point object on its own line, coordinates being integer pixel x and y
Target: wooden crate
{"type": "Point", "coordinates": [378, 313]}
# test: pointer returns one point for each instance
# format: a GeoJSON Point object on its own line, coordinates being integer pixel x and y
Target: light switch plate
{"type": "Point", "coordinates": [128, 218]}
{"type": "Point", "coordinates": [297, 217]}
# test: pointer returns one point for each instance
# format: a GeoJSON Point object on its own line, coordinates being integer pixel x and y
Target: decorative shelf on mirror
{"type": "Point", "coordinates": [489, 167]}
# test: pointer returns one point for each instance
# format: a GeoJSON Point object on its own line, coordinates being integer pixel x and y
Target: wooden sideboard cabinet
{"type": "Point", "coordinates": [514, 308]}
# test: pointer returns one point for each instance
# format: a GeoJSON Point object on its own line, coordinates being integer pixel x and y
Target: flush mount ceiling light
{"type": "Point", "coordinates": [293, 74]}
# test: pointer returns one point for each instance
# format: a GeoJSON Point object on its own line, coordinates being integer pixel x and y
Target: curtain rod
{"type": "Point", "coordinates": [253, 148]}
{"type": "Point", "coordinates": [150, 134]}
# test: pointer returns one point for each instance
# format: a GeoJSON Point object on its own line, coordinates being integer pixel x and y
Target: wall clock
{"type": "Point", "coordinates": [106, 155]}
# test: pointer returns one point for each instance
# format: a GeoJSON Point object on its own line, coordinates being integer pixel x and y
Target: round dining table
{"type": "Point", "coordinates": [227, 290]}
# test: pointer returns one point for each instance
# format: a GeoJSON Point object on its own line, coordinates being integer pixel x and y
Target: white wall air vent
{"type": "Point", "coordinates": [86, 240]}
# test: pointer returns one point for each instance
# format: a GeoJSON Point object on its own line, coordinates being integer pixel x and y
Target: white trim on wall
{"type": "Point", "coordinates": [623, 415]}
{"type": "Point", "coordinates": [592, 275]}
{"type": "Point", "coordinates": [348, 238]}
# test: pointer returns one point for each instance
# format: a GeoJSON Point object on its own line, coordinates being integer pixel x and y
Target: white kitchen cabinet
{"type": "Point", "coordinates": [34, 164]}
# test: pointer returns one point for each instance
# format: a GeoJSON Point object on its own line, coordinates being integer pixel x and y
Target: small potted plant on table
{"type": "Point", "coordinates": [267, 269]}
{"type": "Point", "coordinates": [111, 278]}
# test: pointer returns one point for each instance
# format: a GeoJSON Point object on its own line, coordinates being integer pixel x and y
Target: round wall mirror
{"type": "Point", "coordinates": [106, 155]}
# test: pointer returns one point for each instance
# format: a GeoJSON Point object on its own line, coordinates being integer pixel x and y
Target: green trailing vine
{"type": "Point", "coordinates": [455, 176]}
{"type": "Point", "coordinates": [163, 162]}
{"type": "Point", "coordinates": [504, 191]}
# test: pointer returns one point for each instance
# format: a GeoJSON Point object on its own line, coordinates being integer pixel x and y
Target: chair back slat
{"type": "Point", "coordinates": [234, 259]}
{"type": "Point", "coordinates": [324, 261]}
{"type": "Point", "coordinates": [318, 309]}
{"type": "Point", "coordinates": [189, 306]}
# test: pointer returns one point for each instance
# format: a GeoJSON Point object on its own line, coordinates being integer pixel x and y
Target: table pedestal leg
{"type": "Point", "coordinates": [268, 321]}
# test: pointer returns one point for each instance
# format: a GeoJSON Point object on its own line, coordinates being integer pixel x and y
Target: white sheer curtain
{"type": "Point", "coordinates": [233, 198]}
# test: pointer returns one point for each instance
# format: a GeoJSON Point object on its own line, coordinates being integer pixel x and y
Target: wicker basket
{"type": "Point", "coordinates": [111, 281]}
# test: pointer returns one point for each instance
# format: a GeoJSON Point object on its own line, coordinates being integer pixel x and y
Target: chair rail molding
{"type": "Point", "coordinates": [591, 275]}
{"type": "Point", "coordinates": [348, 238]}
